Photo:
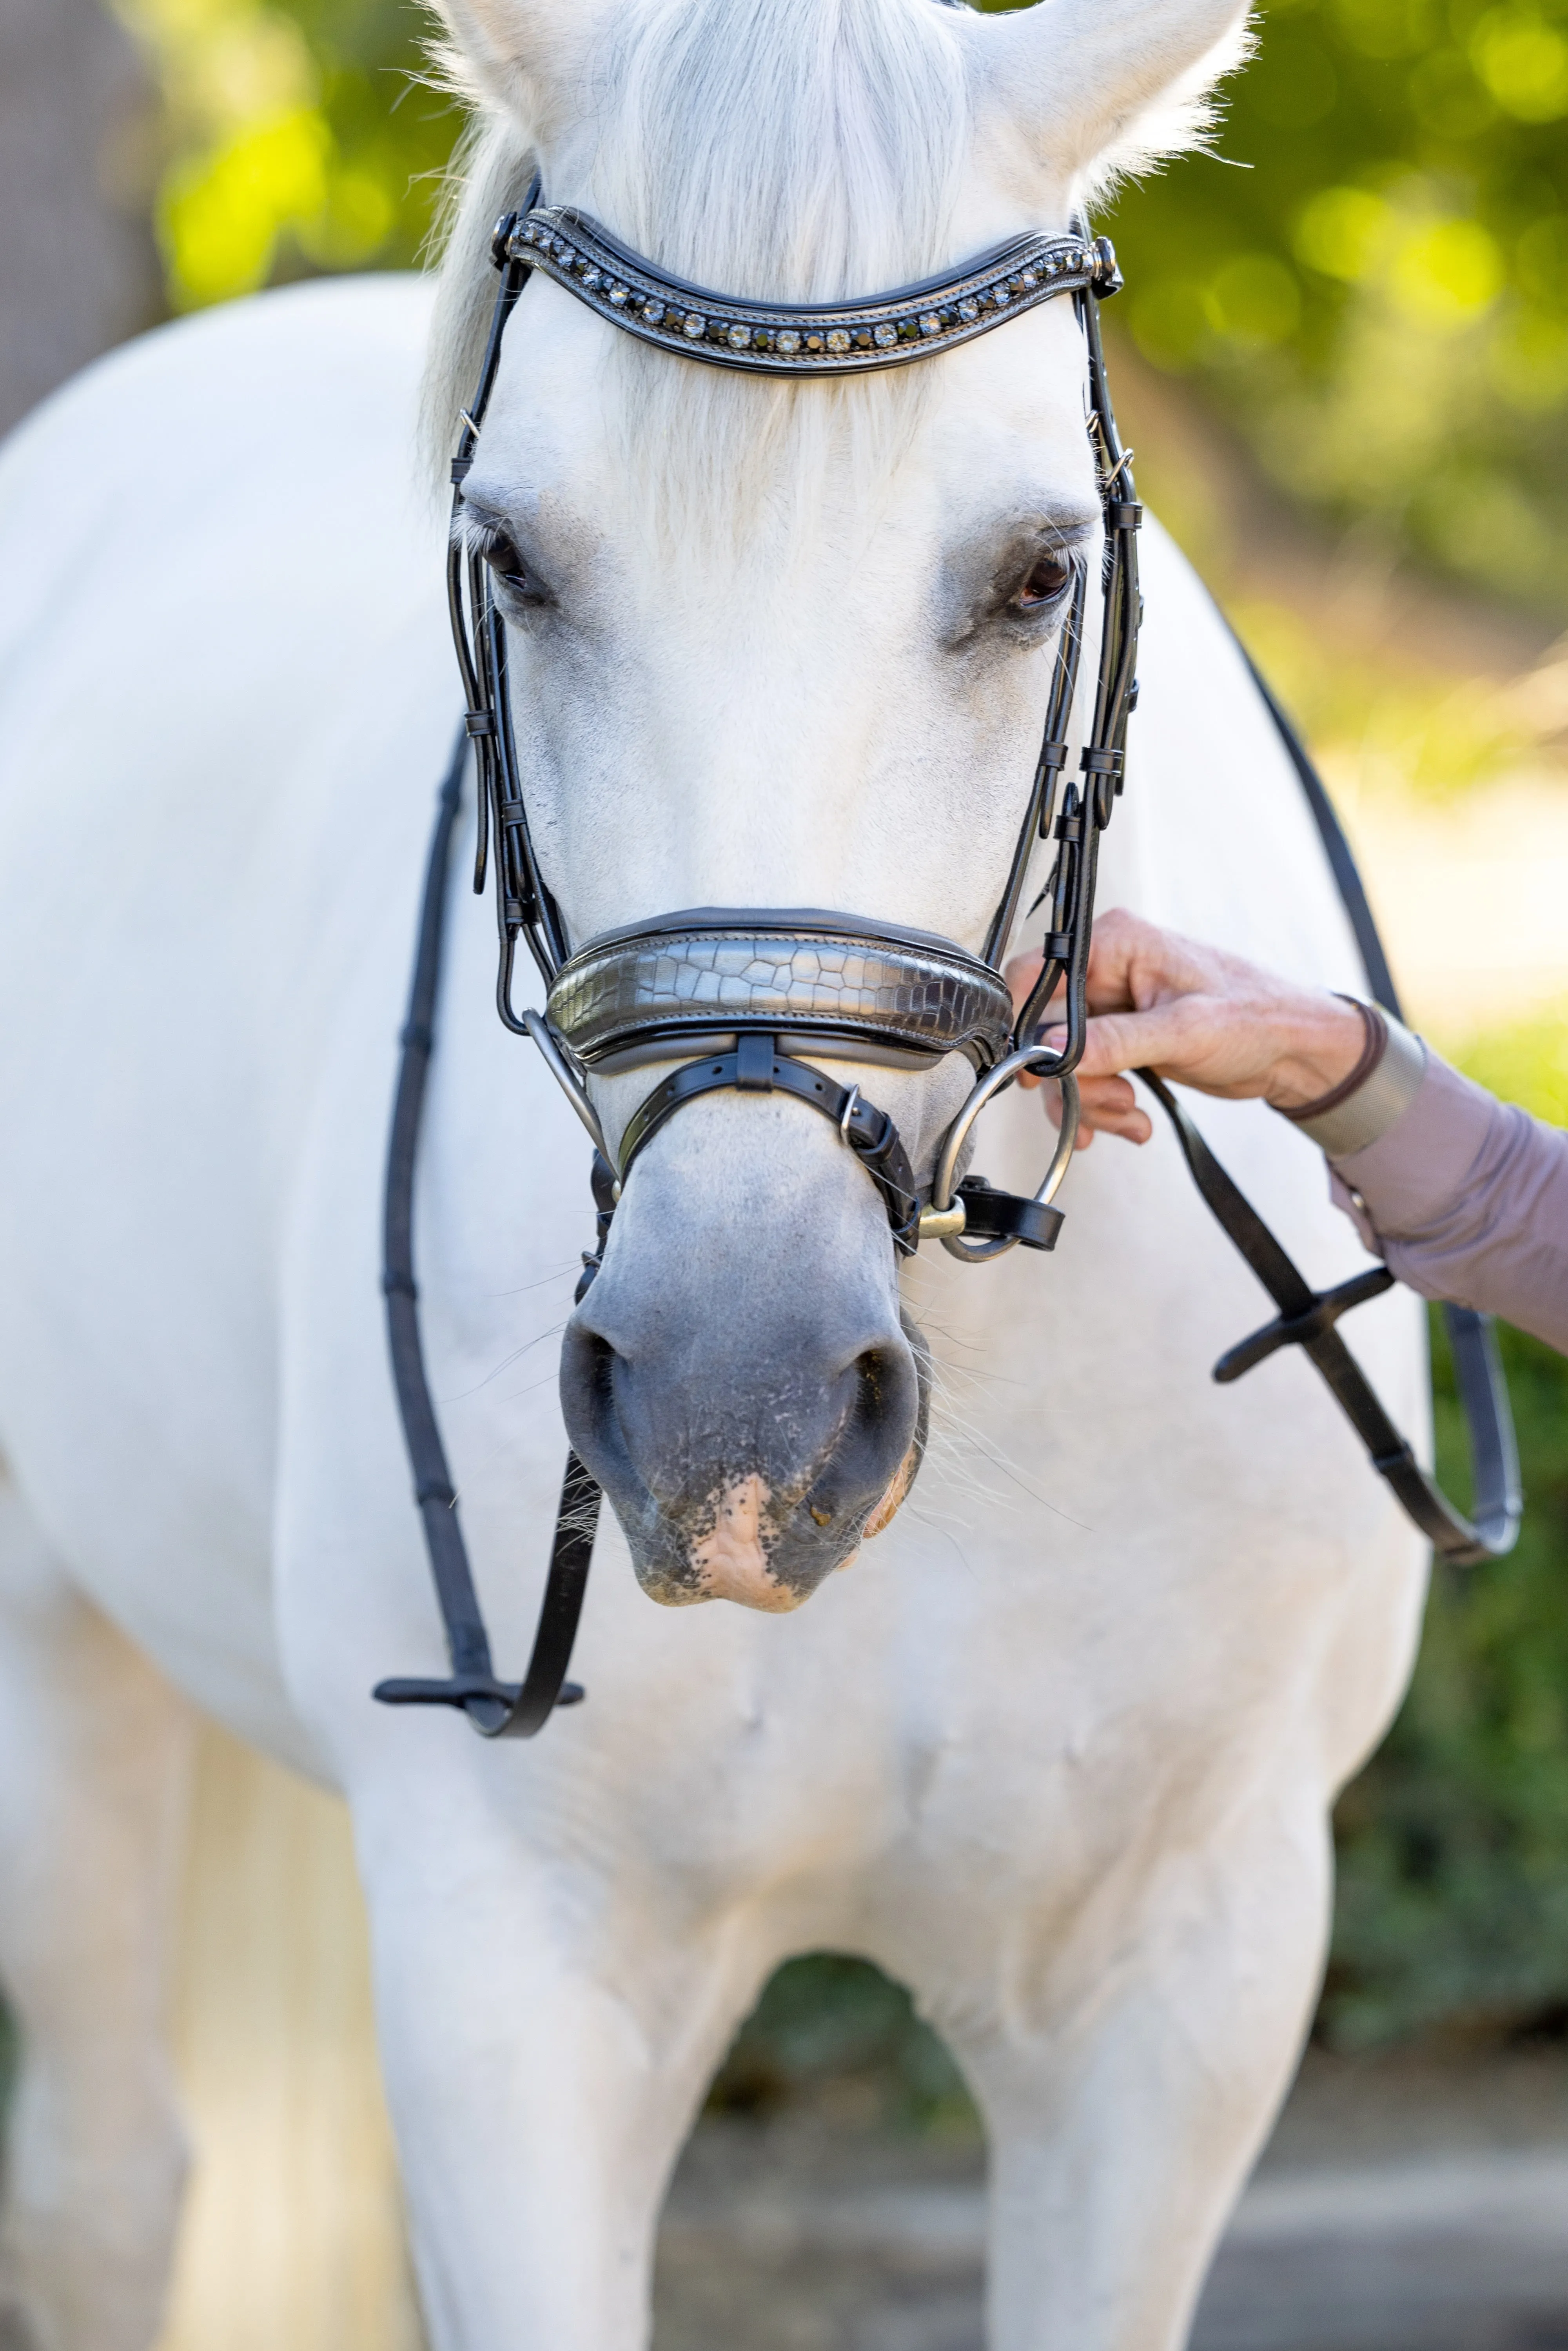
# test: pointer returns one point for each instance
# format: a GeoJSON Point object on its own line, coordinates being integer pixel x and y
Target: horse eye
{"type": "Point", "coordinates": [500, 553]}
{"type": "Point", "coordinates": [1046, 581]}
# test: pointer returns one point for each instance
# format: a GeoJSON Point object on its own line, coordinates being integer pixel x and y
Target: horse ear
{"type": "Point", "coordinates": [523, 54]}
{"type": "Point", "coordinates": [1083, 91]}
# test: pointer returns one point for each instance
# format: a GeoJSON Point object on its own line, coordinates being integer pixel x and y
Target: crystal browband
{"type": "Point", "coordinates": [711, 969]}
{"type": "Point", "coordinates": [803, 338]}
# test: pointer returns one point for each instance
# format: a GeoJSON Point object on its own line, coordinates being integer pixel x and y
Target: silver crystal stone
{"type": "Point", "coordinates": [787, 342]}
{"type": "Point", "coordinates": [930, 324]}
{"type": "Point", "coordinates": [694, 325]}
{"type": "Point", "coordinates": [738, 338]}
{"type": "Point", "coordinates": [884, 336]}
{"type": "Point", "coordinates": [837, 340]}
{"type": "Point", "coordinates": [969, 307]}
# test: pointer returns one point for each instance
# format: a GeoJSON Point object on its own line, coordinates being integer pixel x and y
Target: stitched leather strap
{"type": "Point", "coordinates": [1306, 1319]}
{"type": "Point", "coordinates": [757, 1066]}
{"type": "Point", "coordinates": [1478, 1367]}
{"type": "Point", "coordinates": [496, 1709]}
{"type": "Point", "coordinates": [991, 1214]}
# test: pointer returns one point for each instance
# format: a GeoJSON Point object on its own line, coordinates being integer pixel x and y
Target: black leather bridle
{"type": "Point", "coordinates": [746, 998]}
{"type": "Point", "coordinates": [714, 988]}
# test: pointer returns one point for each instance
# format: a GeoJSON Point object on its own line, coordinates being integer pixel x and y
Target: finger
{"type": "Point", "coordinates": [1134, 962]}
{"type": "Point", "coordinates": [1103, 1099]}
{"type": "Point", "coordinates": [1178, 1037]}
{"type": "Point", "coordinates": [1109, 1106]}
{"type": "Point", "coordinates": [1131, 1126]}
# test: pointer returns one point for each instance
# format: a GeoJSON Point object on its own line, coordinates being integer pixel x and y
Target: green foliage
{"type": "Point", "coordinates": [828, 2023]}
{"type": "Point", "coordinates": [1527, 1063]}
{"type": "Point", "coordinates": [297, 138]}
{"type": "Point", "coordinates": [1453, 1843]}
{"type": "Point", "coordinates": [1390, 719]}
{"type": "Point", "coordinates": [1378, 302]}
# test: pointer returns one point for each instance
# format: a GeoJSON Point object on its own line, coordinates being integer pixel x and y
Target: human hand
{"type": "Point", "coordinates": [1200, 1016]}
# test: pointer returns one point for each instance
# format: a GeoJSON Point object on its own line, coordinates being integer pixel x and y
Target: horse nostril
{"type": "Point", "coordinates": [879, 1388]}
{"type": "Point", "coordinates": [743, 1458]}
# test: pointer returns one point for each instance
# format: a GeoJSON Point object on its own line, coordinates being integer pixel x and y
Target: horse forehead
{"type": "Point", "coordinates": [1003, 422]}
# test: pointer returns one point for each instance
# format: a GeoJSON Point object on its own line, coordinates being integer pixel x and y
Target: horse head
{"type": "Point", "coordinates": [776, 643]}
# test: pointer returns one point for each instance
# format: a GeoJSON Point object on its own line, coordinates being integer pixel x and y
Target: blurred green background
{"type": "Point", "coordinates": [1372, 290]}
{"type": "Point", "coordinates": [1344, 358]}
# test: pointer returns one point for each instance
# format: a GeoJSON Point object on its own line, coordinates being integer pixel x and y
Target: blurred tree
{"type": "Point", "coordinates": [300, 137]}
{"type": "Point", "coordinates": [76, 270]}
{"type": "Point", "coordinates": [1378, 302]}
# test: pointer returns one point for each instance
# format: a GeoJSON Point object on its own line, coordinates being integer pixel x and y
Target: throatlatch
{"type": "Point", "coordinates": [763, 991]}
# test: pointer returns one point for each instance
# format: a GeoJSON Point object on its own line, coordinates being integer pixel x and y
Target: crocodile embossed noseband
{"type": "Point", "coordinates": [902, 997]}
{"type": "Point", "coordinates": [748, 998]}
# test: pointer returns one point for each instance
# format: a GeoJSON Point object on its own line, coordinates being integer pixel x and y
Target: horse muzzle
{"type": "Point", "coordinates": [747, 1424]}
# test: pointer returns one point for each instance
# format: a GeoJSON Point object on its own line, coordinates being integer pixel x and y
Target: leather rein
{"type": "Point", "coordinates": [745, 998]}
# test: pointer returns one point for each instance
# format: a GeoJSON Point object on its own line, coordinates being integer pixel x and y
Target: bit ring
{"type": "Point", "coordinates": [1028, 1057]}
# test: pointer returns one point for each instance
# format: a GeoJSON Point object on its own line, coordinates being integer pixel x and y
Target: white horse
{"type": "Point", "coordinates": [1059, 1751]}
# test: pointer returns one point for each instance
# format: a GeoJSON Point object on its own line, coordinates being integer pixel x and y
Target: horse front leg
{"type": "Point", "coordinates": [1130, 2075]}
{"type": "Point", "coordinates": [546, 2041]}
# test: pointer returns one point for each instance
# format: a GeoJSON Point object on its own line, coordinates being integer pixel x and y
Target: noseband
{"type": "Point", "coordinates": [749, 998]}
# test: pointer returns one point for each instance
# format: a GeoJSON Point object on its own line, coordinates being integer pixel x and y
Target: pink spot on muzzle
{"type": "Point", "coordinates": [731, 1563]}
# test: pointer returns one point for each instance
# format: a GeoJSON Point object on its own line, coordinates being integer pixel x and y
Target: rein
{"type": "Point", "coordinates": [742, 998]}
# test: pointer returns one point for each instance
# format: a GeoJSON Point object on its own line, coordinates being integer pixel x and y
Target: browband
{"type": "Point", "coordinates": [803, 338]}
{"type": "Point", "coordinates": [838, 975]}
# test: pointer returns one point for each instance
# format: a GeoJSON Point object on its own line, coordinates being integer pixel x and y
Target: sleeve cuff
{"type": "Point", "coordinates": [1384, 1095]}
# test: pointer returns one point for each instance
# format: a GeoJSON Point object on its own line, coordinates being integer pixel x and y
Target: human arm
{"type": "Point", "coordinates": [1465, 1198]}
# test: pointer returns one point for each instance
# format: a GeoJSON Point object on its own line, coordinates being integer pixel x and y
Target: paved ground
{"type": "Point", "coordinates": [1408, 2205]}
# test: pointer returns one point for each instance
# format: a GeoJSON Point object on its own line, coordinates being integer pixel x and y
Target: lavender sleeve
{"type": "Point", "coordinates": [1465, 1198]}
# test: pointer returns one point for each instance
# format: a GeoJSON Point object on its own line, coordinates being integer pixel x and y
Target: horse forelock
{"type": "Point", "coordinates": [784, 150]}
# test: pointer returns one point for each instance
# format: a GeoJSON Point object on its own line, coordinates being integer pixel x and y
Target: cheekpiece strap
{"type": "Point", "coordinates": [806, 339]}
